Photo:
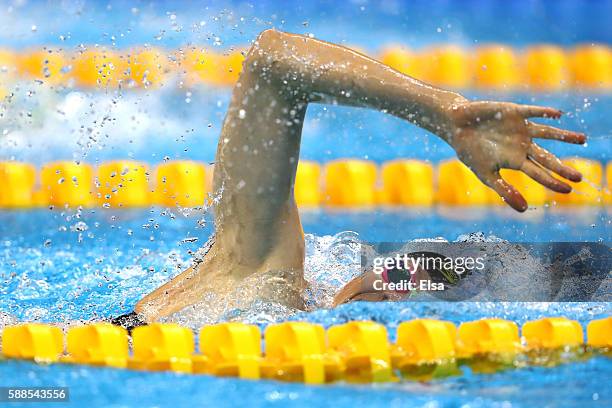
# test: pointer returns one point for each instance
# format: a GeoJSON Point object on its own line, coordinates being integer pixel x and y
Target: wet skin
{"type": "Point", "coordinates": [258, 229]}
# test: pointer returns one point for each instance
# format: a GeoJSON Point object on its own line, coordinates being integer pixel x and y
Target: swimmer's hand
{"type": "Point", "coordinates": [489, 136]}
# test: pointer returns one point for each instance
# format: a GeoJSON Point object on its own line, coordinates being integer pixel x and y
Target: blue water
{"type": "Point", "coordinates": [368, 23]}
{"type": "Point", "coordinates": [576, 384]}
{"type": "Point", "coordinates": [58, 267]}
{"type": "Point", "coordinates": [65, 266]}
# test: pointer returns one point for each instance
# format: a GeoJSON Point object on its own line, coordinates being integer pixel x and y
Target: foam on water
{"type": "Point", "coordinates": [332, 261]}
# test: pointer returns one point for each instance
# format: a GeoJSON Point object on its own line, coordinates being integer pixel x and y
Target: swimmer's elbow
{"type": "Point", "coordinates": [270, 57]}
{"type": "Point", "coordinates": [268, 39]}
{"type": "Point", "coordinates": [264, 48]}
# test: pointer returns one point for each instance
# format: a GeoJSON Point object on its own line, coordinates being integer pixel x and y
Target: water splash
{"type": "Point", "coordinates": [50, 274]}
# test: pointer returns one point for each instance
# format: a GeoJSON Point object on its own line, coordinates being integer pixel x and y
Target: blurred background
{"type": "Point", "coordinates": [93, 81]}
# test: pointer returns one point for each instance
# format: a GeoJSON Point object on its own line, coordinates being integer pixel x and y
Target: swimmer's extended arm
{"type": "Point", "coordinates": [487, 136]}
{"type": "Point", "coordinates": [258, 232]}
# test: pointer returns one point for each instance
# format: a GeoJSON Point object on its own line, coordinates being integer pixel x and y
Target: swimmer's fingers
{"type": "Point", "coordinates": [490, 110]}
{"type": "Point", "coordinates": [549, 132]}
{"type": "Point", "coordinates": [533, 111]}
{"type": "Point", "coordinates": [551, 162]}
{"type": "Point", "coordinates": [544, 177]}
{"type": "Point", "coordinates": [506, 191]}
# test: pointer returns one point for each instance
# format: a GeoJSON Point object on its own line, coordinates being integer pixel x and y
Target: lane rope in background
{"type": "Point", "coordinates": [543, 67]}
{"type": "Point", "coordinates": [345, 183]}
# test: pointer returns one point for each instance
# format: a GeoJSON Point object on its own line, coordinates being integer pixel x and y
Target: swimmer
{"type": "Point", "coordinates": [257, 225]}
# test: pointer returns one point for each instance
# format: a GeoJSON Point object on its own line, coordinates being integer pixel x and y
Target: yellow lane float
{"type": "Point", "coordinates": [16, 184]}
{"type": "Point", "coordinates": [599, 333]}
{"type": "Point", "coordinates": [162, 347]}
{"type": "Point", "coordinates": [407, 182]}
{"type": "Point", "coordinates": [196, 65]}
{"type": "Point", "coordinates": [592, 66]}
{"type": "Point", "coordinates": [496, 67]}
{"type": "Point", "coordinates": [181, 183]}
{"type": "Point", "coordinates": [345, 183]}
{"type": "Point", "coordinates": [47, 65]}
{"type": "Point", "coordinates": [229, 349]}
{"type": "Point", "coordinates": [535, 193]}
{"type": "Point", "coordinates": [101, 68]}
{"type": "Point", "coordinates": [404, 61]}
{"type": "Point", "coordinates": [448, 66]}
{"type": "Point", "coordinates": [589, 191]}
{"type": "Point", "coordinates": [358, 351]}
{"type": "Point", "coordinates": [146, 67]}
{"type": "Point", "coordinates": [307, 190]}
{"type": "Point", "coordinates": [364, 347]}
{"type": "Point", "coordinates": [100, 344]}
{"type": "Point", "coordinates": [350, 183]}
{"type": "Point", "coordinates": [546, 68]}
{"type": "Point", "coordinates": [608, 189]}
{"type": "Point", "coordinates": [296, 351]}
{"type": "Point", "coordinates": [33, 341]}
{"type": "Point", "coordinates": [488, 336]}
{"type": "Point", "coordinates": [123, 184]}
{"type": "Point", "coordinates": [458, 185]}
{"type": "Point", "coordinates": [200, 65]}
{"type": "Point", "coordinates": [67, 184]}
{"type": "Point", "coordinates": [231, 65]}
{"type": "Point", "coordinates": [552, 332]}
{"type": "Point", "coordinates": [425, 348]}
{"type": "Point", "coordinates": [488, 345]}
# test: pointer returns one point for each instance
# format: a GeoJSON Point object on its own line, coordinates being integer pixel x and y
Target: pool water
{"type": "Point", "coordinates": [575, 384]}
{"type": "Point", "coordinates": [58, 266]}
{"type": "Point", "coordinates": [166, 124]}
{"type": "Point", "coordinates": [67, 266]}
{"type": "Point", "coordinates": [79, 266]}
